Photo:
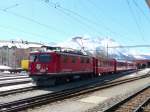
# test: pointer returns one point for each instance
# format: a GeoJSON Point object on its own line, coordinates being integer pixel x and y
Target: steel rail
{"type": "Point", "coordinates": [135, 109]}
{"type": "Point", "coordinates": [52, 97]}
{"type": "Point", "coordinates": [14, 83]}
{"type": "Point", "coordinates": [13, 78]}
{"type": "Point", "coordinates": [140, 108]}
{"type": "Point", "coordinates": [4, 93]}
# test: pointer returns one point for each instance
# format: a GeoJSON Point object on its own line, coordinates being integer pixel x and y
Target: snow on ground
{"type": "Point", "coordinates": [4, 67]}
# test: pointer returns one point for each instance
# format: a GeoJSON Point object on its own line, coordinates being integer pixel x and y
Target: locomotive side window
{"type": "Point", "coordinates": [65, 59]}
{"type": "Point", "coordinates": [44, 58]}
{"type": "Point", "coordinates": [73, 59]}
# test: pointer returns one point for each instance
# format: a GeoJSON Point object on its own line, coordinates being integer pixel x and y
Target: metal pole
{"type": "Point", "coordinates": [148, 3]}
{"type": "Point", "coordinates": [107, 50]}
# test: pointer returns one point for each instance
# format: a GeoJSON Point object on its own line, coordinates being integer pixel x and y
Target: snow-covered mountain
{"type": "Point", "coordinates": [143, 56]}
{"type": "Point", "coordinates": [97, 47]}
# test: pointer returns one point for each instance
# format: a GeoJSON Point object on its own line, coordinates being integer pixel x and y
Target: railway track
{"type": "Point", "coordinates": [13, 91]}
{"type": "Point", "coordinates": [146, 106]}
{"type": "Point", "coordinates": [8, 75]}
{"type": "Point", "coordinates": [10, 82]}
{"type": "Point", "coordinates": [137, 102]}
{"type": "Point", "coordinates": [19, 90]}
{"type": "Point", "coordinates": [60, 95]}
{"type": "Point", "coordinates": [12, 78]}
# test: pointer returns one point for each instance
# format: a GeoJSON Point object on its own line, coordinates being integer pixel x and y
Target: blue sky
{"type": "Point", "coordinates": [58, 20]}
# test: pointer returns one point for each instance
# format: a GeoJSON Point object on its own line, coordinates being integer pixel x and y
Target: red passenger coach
{"type": "Point", "coordinates": [131, 65]}
{"type": "Point", "coordinates": [122, 65]}
{"type": "Point", "coordinates": [105, 66]}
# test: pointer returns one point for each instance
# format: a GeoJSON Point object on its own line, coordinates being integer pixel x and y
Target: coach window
{"type": "Point", "coordinates": [73, 59]}
{"type": "Point", "coordinates": [82, 60]}
{"type": "Point", "coordinates": [99, 63]}
{"type": "Point", "coordinates": [102, 63]}
{"type": "Point", "coordinates": [109, 63]}
{"type": "Point", "coordinates": [87, 60]}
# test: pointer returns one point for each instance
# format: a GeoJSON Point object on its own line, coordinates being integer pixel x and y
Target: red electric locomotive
{"type": "Point", "coordinates": [60, 64]}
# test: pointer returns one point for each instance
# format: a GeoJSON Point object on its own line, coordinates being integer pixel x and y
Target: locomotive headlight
{"type": "Point", "coordinates": [38, 66]}
{"type": "Point", "coordinates": [46, 68]}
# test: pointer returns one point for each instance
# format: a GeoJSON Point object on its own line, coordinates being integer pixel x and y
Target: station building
{"type": "Point", "coordinates": [12, 52]}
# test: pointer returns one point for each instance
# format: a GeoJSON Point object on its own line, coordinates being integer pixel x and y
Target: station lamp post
{"type": "Point", "coordinates": [148, 3]}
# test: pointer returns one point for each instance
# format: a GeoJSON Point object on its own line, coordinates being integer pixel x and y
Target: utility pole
{"type": "Point", "coordinates": [107, 50]}
{"type": "Point", "coordinates": [148, 3]}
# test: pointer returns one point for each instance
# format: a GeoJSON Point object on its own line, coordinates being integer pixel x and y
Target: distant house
{"type": "Point", "coordinates": [12, 52]}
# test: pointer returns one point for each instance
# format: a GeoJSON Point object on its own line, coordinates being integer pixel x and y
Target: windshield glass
{"type": "Point", "coordinates": [44, 58]}
{"type": "Point", "coordinates": [40, 58]}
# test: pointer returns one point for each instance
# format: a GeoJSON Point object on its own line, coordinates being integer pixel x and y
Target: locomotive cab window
{"type": "Point", "coordinates": [33, 58]}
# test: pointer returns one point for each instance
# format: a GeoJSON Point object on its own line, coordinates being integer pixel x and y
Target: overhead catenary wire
{"type": "Point", "coordinates": [89, 21]}
{"type": "Point", "coordinates": [148, 3]}
{"type": "Point", "coordinates": [136, 21]}
{"type": "Point", "coordinates": [101, 15]}
{"type": "Point", "coordinates": [87, 26]}
{"type": "Point", "coordinates": [35, 21]}
{"type": "Point", "coordinates": [12, 6]}
{"type": "Point", "coordinates": [130, 46]}
{"type": "Point", "coordinates": [141, 10]}
{"type": "Point", "coordinates": [22, 31]}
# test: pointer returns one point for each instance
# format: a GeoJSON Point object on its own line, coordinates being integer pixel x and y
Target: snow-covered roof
{"type": "Point", "coordinates": [20, 44]}
{"type": "Point", "coordinates": [4, 67]}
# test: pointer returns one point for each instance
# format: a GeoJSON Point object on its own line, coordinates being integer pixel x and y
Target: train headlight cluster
{"type": "Point", "coordinates": [38, 66]}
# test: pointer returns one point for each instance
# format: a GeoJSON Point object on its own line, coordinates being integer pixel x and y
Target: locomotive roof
{"type": "Point", "coordinates": [72, 54]}
{"type": "Point", "coordinates": [63, 50]}
{"type": "Point", "coordinates": [63, 53]}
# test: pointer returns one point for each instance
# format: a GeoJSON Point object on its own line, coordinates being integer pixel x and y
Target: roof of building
{"type": "Point", "coordinates": [19, 44]}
